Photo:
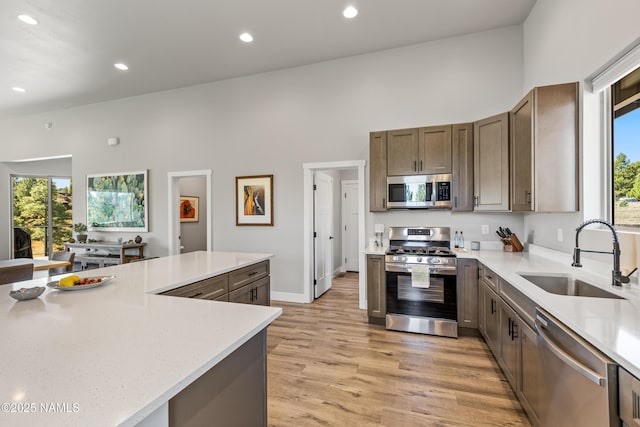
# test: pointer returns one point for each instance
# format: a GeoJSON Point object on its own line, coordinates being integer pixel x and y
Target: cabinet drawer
{"type": "Point", "coordinates": [211, 288]}
{"type": "Point", "coordinates": [243, 276]}
{"type": "Point", "coordinates": [490, 278]}
{"type": "Point", "coordinates": [629, 392]}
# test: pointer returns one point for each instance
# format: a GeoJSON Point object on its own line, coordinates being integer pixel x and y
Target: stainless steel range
{"type": "Point", "coordinates": [421, 281]}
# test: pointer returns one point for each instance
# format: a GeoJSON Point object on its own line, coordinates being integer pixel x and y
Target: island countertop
{"type": "Point", "coordinates": [113, 354]}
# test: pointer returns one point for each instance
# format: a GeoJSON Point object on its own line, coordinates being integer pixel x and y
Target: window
{"type": "Point", "coordinates": [42, 209]}
{"type": "Point", "coordinates": [625, 101]}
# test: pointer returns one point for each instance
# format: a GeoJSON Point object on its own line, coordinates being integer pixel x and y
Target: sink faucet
{"type": "Point", "coordinates": [617, 278]}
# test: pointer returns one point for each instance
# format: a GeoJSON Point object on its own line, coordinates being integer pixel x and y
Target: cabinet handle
{"type": "Point", "coordinates": [455, 201]}
{"type": "Point", "coordinates": [415, 166]}
{"type": "Point", "coordinates": [195, 295]}
{"type": "Point", "coordinates": [253, 273]}
{"type": "Point", "coordinates": [493, 306]}
{"type": "Point", "coordinates": [420, 164]}
{"type": "Point", "coordinates": [527, 197]}
{"type": "Point", "coordinates": [476, 202]}
{"type": "Point", "coordinates": [514, 330]}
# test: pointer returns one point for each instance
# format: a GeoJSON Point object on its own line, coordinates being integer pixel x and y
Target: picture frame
{"type": "Point", "coordinates": [118, 201]}
{"type": "Point", "coordinates": [189, 208]}
{"type": "Point", "coordinates": [254, 200]}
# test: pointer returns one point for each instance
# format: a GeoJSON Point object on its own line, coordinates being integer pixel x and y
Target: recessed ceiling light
{"type": "Point", "coordinates": [246, 37]}
{"type": "Point", "coordinates": [120, 66]}
{"type": "Point", "coordinates": [350, 12]}
{"type": "Point", "coordinates": [28, 19]}
{"type": "Point", "coordinates": [19, 89]}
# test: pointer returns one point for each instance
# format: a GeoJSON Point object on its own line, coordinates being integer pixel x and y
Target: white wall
{"type": "Point", "coordinates": [569, 40]}
{"type": "Point", "coordinates": [272, 123]}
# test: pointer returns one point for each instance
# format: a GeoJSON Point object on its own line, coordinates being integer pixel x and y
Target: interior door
{"type": "Point", "coordinates": [323, 239]}
{"type": "Point", "coordinates": [350, 225]}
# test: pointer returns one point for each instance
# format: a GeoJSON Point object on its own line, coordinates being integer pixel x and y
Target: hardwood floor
{"type": "Point", "coordinates": [328, 367]}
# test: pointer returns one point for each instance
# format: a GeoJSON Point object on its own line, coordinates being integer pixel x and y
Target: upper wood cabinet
{"type": "Point", "coordinates": [402, 152]}
{"type": "Point", "coordinates": [434, 150]}
{"type": "Point", "coordinates": [544, 149]}
{"type": "Point", "coordinates": [422, 151]}
{"type": "Point", "coordinates": [491, 163]}
{"type": "Point", "coordinates": [378, 171]}
{"type": "Point", "coordinates": [462, 167]}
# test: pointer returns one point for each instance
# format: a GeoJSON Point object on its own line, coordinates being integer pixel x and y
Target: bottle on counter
{"type": "Point", "coordinates": [456, 240]}
{"type": "Point", "coordinates": [461, 241]}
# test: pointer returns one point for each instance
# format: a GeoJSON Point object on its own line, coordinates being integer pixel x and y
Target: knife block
{"type": "Point", "coordinates": [512, 244]}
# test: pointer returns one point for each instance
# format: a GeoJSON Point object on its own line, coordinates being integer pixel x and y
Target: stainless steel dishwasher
{"type": "Point", "coordinates": [579, 384]}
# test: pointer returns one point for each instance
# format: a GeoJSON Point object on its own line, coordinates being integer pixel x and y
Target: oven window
{"type": "Point", "coordinates": [434, 293]}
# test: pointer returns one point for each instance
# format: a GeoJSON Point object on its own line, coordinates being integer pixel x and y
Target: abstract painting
{"type": "Point", "coordinates": [254, 200]}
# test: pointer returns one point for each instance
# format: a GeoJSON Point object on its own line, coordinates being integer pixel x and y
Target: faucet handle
{"type": "Point", "coordinates": [576, 258]}
{"type": "Point", "coordinates": [626, 278]}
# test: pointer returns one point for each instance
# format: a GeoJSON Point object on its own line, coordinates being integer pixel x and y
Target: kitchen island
{"type": "Point", "coordinates": [119, 353]}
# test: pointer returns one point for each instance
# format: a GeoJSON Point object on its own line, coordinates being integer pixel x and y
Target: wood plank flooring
{"type": "Point", "coordinates": [328, 367]}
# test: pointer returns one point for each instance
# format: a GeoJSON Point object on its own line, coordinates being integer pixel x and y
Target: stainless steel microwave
{"type": "Point", "coordinates": [419, 191]}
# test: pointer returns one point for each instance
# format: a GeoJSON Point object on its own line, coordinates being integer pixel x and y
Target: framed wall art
{"type": "Point", "coordinates": [254, 200]}
{"type": "Point", "coordinates": [189, 209]}
{"type": "Point", "coordinates": [118, 202]}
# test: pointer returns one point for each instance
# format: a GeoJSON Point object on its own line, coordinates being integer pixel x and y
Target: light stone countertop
{"type": "Point", "coordinates": [611, 325]}
{"type": "Point", "coordinates": [113, 354]}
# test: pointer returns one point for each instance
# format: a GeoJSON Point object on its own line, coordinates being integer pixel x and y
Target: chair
{"type": "Point", "coordinates": [62, 256]}
{"type": "Point", "coordinates": [16, 273]}
{"type": "Point", "coordinates": [21, 244]}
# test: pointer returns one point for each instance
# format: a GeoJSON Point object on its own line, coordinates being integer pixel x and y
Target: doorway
{"type": "Point", "coordinates": [189, 181]}
{"type": "Point", "coordinates": [309, 170]}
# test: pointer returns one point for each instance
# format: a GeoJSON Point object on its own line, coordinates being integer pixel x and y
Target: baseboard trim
{"type": "Point", "coordinates": [288, 297]}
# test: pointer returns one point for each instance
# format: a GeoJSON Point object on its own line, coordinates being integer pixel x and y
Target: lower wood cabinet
{"type": "Point", "coordinates": [530, 373]}
{"type": "Point", "coordinates": [505, 319]}
{"type": "Point", "coordinates": [489, 315]}
{"type": "Point", "coordinates": [248, 285]}
{"type": "Point", "coordinates": [509, 343]}
{"type": "Point", "coordinates": [255, 293]}
{"type": "Point", "coordinates": [467, 293]}
{"type": "Point", "coordinates": [376, 289]}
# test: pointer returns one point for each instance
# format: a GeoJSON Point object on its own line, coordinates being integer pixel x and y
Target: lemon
{"type": "Point", "coordinates": [68, 281]}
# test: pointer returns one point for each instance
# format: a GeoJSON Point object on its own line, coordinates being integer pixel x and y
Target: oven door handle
{"type": "Point", "coordinates": [448, 270]}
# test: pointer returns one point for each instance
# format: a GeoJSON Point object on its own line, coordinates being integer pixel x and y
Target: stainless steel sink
{"type": "Point", "coordinates": [566, 285]}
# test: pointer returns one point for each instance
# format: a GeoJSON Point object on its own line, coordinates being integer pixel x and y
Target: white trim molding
{"type": "Point", "coordinates": [288, 297]}
{"type": "Point", "coordinates": [619, 67]}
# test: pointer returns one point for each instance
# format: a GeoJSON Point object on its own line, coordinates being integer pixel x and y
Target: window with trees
{"type": "Point", "coordinates": [42, 207]}
{"type": "Point", "coordinates": [625, 95]}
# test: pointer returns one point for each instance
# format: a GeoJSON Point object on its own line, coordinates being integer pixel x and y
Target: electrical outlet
{"type": "Point", "coordinates": [485, 229]}
{"type": "Point", "coordinates": [560, 237]}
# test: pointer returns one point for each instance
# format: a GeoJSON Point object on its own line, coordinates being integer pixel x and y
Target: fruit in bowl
{"type": "Point", "coordinates": [74, 280]}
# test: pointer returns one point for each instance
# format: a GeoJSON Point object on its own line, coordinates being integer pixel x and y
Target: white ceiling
{"type": "Point", "coordinates": [67, 60]}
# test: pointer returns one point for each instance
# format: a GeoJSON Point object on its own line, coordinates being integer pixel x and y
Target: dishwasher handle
{"type": "Point", "coordinates": [566, 358]}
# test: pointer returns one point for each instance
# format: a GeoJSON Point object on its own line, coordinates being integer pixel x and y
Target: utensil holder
{"type": "Point", "coordinates": [512, 244]}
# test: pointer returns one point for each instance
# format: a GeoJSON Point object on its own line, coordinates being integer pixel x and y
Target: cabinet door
{"type": "Point", "coordinates": [434, 150]}
{"type": "Point", "coordinates": [462, 167]}
{"type": "Point", "coordinates": [376, 289]}
{"type": "Point", "coordinates": [491, 163]}
{"type": "Point", "coordinates": [530, 373]}
{"type": "Point", "coordinates": [402, 152]}
{"type": "Point", "coordinates": [556, 148]}
{"type": "Point", "coordinates": [509, 344]}
{"type": "Point", "coordinates": [490, 316]}
{"type": "Point", "coordinates": [254, 293]}
{"type": "Point", "coordinates": [467, 292]}
{"type": "Point", "coordinates": [378, 171]}
{"type": "Point", "coordinates": [522, 155]}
